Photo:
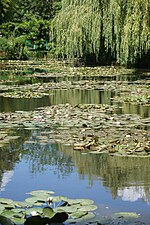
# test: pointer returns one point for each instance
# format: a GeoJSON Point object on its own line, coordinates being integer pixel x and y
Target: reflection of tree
{"type": "Point", "coordinates": [115, 172]}
{"type": "Point", "coordinates": [10, 153]}
{"type": "Point", "coordinates": [16, 104]}
{"type": "Point", "coordinates": [42, 152]}
{"type": "Point", "coordinates": [75, 96]}
{"type": "Point", "coordinates": [128, 108]}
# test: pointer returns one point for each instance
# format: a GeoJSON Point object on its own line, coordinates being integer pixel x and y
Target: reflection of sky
{"type": "Point", "coordinates": [132, 193]}
{"type": "Point", "coordinates": [7, 176]}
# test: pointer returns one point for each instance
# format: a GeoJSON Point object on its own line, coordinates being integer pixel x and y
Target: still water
{"type": "Point", "coordinates": [115, 184]}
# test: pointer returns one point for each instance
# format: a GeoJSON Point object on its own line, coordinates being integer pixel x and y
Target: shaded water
{"type": "Point", "coordinates": [114, 183]}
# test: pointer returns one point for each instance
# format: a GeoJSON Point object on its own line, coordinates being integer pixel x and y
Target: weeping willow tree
{"type": "Point", "coordinates": [116, 30]}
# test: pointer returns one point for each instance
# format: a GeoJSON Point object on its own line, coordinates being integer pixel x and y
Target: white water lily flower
{"type": "Point", "coordinates": [34, 213]}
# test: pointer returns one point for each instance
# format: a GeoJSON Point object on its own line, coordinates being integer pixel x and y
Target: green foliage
{"type": "Point", "coordinates": [14, 48]}
{"type": "Point", "coordinates": [5, 10]}
{"type": "Point", "coordinates": [33, 29]}
{"type": "Point", "coordinates": [15, 35]}
{"type": "Point", "coordinates": [109, 30]}
{"type": "Point", "coordinates": [30, 19]}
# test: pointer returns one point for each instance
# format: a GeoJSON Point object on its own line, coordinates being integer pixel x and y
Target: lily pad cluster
{"type": "Point", "coordinates": [45, 208]}
{"type": "Point", "coordinates": [92, 128]}
{"type": "Point", "coordinates": [23, 94]}
{"type": "Point", "coordinates": [124, 91]}
{"type": "Point", "coordinates": [136, 98]}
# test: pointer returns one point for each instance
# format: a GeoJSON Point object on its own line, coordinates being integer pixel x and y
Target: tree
{"type": "Point", "coordinates": [30, 20]}
{"type": "Point", "coordinates": [105, 29]}
{"type": "Point", "coordinates": [25, 10]}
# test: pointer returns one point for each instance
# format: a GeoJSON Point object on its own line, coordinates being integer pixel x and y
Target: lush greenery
{"type": "Point", "coordinates": [99, 32]}
{"type": "Point", "coordinates": [104, 31]}
{"type": "Point", "coordinates": [29, 20]}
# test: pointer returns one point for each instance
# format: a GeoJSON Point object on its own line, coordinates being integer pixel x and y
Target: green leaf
{"type": "Point", "coordinates": [18, 220]}
{"type": "Point", "coordinates": [8, 213]}
{"type": "Point", "coordinates": [68, 209]}
{"type": "Point", "coordinates": [18, 210]}
{"type": "Point", "coordinates": [21, 204]}
{"type": "Point", "coordinates": [48, 212]}
{"type": "Point", "coordinates": [88, 208]}
{"type": "Point", "coordinates": [35, 199]}
{"type": "Point", "coordinates": [77, 215]}
{"type": "Point", "coordinates": [86, 201]}
{"type": "Point", "coordinates": [6, 201]}
{"type": "Point", "coordinates": [1, 208]}
{"type": "Point", "coordinates": [34, 209]}
{"type": "Point", "coordinates": [127, 215]}
{"type": "Point", "coordinates": [41, 192]}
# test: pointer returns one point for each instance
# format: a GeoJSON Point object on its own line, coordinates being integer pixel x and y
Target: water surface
{"type": "Point", "coordinates": [114, 183]}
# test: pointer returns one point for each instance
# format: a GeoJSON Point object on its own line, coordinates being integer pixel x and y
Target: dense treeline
{"type": "Point", "coordinates": [25, 20]}
{"type": "Point", "coordinates": [95, 31]}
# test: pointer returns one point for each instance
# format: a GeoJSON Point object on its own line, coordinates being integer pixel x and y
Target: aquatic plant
{"type": "Point", "coordinates": [45, 208]}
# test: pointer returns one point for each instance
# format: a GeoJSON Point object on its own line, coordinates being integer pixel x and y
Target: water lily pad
{"type": "Point", "coordinates": [73, 201]}
{"type": "Point", "coordinates": [41, 193]}
{"type": "Point", "coordinates": [48, 212]}
{"type": "Point", "coordinates": [68, 209]}
{"type": "Point", "coordinates": [37, 210]}
{"type": "Point", "coordinates": [22, 204]}
{"type": "Point", "coordinates": [18, 220]}
{"type": "Point", "coordinates": [6, 201]}
{"type": "Point", "coordinates": [8, 213]}
{"type": "Point", "coordinates": [127, 215]}
{"type": "Point", "coordinates": [18, 210]}
{"type": "Point", "coordinates": [88, 208]}
{"type": "Point", "coordinates": [86, 201]}
{"type": "Point", "coordinates": [77, 215]}
{"type": "Point", "coordinates": [35, 199]}
{"type": "Point", "coordinates": [1, 208]}
{"type": "Point", "coordinates": [88, 216]}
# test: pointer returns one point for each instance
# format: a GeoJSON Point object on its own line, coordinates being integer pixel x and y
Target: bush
{"type": "Point", "coordinates": [14, 48]}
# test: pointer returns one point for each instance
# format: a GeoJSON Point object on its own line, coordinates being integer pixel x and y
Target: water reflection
{"type": "Point", "coordinates": [10, 154]}
{"type": "Point", "coordinates": [73, 97]}
{"type": "Point", "coordinates": [125, 177]}
{"type": "Point", "coordinates": [41, 152]}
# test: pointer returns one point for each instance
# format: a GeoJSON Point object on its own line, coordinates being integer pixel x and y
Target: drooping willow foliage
{"type": "Point", "coordinates": [118, 28]}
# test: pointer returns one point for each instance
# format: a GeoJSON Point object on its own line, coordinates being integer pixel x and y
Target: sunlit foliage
{"type": "Point", "coordinates": [116, 28]}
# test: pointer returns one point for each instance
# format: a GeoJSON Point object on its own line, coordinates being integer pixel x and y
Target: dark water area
{"type": "Point", "coordinates": [30, 163]}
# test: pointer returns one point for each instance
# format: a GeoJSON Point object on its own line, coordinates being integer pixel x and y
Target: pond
{"type": "Point", "coordinates": [35, 160]}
